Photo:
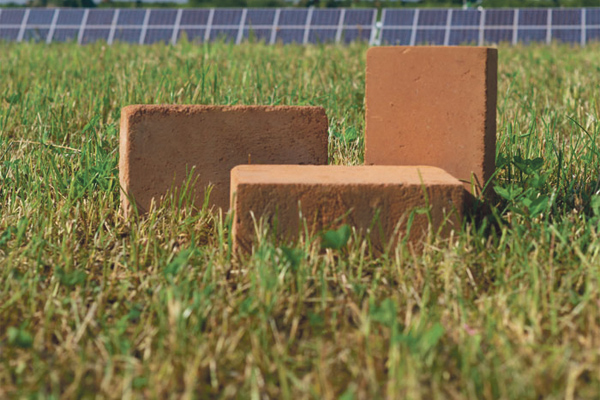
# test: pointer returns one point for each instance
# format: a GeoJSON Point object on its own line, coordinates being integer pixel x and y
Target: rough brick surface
{"type": "Point", "coordinates": [433, 106]}
{"type": "Point", "coordinates": [160, 144]}
{"type": "Point", "coordinates": [333, 195]}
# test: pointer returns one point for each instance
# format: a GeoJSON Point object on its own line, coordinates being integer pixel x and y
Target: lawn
{"type": "Point", "coordinates": [93, 305]}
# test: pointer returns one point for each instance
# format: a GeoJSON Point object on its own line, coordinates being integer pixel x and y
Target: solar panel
{"type": "Point", "coordinates": [9, 34]}
{"type": "Point", "coordinates": [40, 17]}
{"type": "Point", "coordinates": [355, 35]}
{"type": "Point", "coordinates": [35, 35]}
{"type": "Point", "coordinates": [65, 35]}
{"type": "Point", "coordinates": [100, 17]}
{"type": "Point", "coordinates": [225, 34]}
{"type": "Point", "coordinates": [463, 36]}
{"type": "Point", "coordinates": [322, 35]}
{"type": "Point", "coordinates": [359, 17]}
{"type": "Point", "coordinates": [592, 35]}
{"type": "Point", "coordinates": [227, 17]}
{"type": "Point", "coordinates": [70, 17]}
{"type": "Point", "coordinates": [399, 37]}
{"type": "Point", "coordinates": [158, 35]}
{"type": "Point", "coordinates": [531, 35]}
{"type": "Point", "coordinates": [286, 36]}
{"type": "Point", "coordinates": [566, 17]}
{"type": "Point", "coordinates": [127, 35]}
{"type": "Point", "coordinates": [257, 17]}
{"type": "Point", "coordinates": [433, 17]}
{"type": "Point", "coordinates": [465, 17]}
{"type": "Point", "coordinates": [263, 35]}
{"type": "Point", "coordinates": [498, 35]}
{"type": "Point", "coordinates": [399, 17]}
{"type": "Point", "coordinates": [430, 36]}
{"type": "Point", "coordinates": [11, 17]}
{"type": "Point", "coordinates": [592, 16]}
{"type": "Point", "coordinates": [325, 17]}
{"type": "Point", "coordinates": [533, 17]}
{"type": "Point", "coordinates": [131, 17]}
{"type": "Point", "coordinates": [293, 17]}
{"type": "Point", "coordinates": [499, 17]}
{"type": "Point", "coordinates": [194, 17]}
{"type": "Point", "coordinates": [93, 35]}
{"type": "Point", "coordinates": [567, 35]}
{"type": "Point", "coordinates": [162, 17]}
{"type": "Point", "coordinates": [192, 34]}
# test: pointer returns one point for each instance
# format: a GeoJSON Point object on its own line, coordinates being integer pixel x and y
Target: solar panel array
{"type": "Point", "coordinates": [294, 25]}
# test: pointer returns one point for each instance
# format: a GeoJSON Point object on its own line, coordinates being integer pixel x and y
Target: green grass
{"type": "Point", "coordinates": [95, 305]}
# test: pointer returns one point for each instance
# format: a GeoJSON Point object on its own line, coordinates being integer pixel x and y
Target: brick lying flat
{"type": "Point", "coordinates": [160, 144]}
{"type": "Point", "coordinates": [354, 194]}
{"type": "Point", "coordinates": [433, 106]}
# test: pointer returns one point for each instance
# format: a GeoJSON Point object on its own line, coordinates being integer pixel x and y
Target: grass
{"type": "Point", "coordinates": [95, 305]}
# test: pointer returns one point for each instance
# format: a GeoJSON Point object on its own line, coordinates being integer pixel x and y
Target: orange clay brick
{"type": "Point", "coordinates": [433, 106]}
{"type": "Point", "coordinates": [329, 196]}
{"type": "Point", "coordinates": [160, 144]}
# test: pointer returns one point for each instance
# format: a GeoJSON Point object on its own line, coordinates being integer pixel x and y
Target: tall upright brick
{"type": "Point", "coordinates": [433, 106]}
{"type": "Point", "coordinates": [367, 197]}
{"type": "Point", "coordinates": [160, 144]}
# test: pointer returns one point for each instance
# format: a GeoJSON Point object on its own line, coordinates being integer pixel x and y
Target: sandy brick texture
{"type": "Point", "coordinates": [379, 198]}
{"type": "Point", "coordinates": [433, 106]}
{"type": "Point", "coordinates": [160, 144]}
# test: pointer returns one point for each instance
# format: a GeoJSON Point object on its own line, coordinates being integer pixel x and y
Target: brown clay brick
{"type": "Point", "coordinates": [333, 195]}
{"type": "Point", "coordinates": [160, 144]}
{"type": "Point", "coordinates": [433, 106]}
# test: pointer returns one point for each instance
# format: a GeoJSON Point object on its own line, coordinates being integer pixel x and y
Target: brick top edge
{"type": "Point", "coordinates": [176, 109]}
{"type": "Point", "coordinates": [342, 175]}
{"type": "Point", "coordinates": [407, 49]}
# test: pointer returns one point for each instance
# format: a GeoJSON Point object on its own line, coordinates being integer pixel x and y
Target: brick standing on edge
{"type": "Point", "coordinates": [160, 144]}
{"type": "Point", "coordinates": [357, 194]}
{"type": "Point", "coordinates": [433, 106]}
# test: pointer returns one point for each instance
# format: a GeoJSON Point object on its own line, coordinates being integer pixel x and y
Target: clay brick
{"type": "Point", "coordinates": [433, 106]}
{"type": "Point", "coordinates": [160, 144]}
{"type": "Point", "coordinates": [333, 195]}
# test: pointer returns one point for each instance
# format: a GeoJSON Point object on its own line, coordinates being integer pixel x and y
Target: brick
{"type": "Point", "coordinates": [160, 144]}
{"type": "Point", "coordinates": [333, 195]}
{"type": "Point", "coordinates": [433, 106]}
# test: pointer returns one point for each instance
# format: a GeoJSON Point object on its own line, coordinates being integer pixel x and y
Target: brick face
{"type": "Point", "coordinates": [160, 144]}
{"type": "Point", "coordinates": [433, 106]}
{"type": "Point", "coordinates": [329, 196]}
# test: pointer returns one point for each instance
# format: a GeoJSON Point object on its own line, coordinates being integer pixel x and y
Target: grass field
{"type": "Point", "coordinates": [95, 305]}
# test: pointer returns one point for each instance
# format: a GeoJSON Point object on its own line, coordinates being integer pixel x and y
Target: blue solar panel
{"type": "Point", "coordinates": [194, 17]}
{"type": "Point", "coordinates": [225, 34]}
{"type": "Point", "coordinates": [531, 35]}
{"type": "Point", "coordinates": [227, 17]}
{"type": "Point", "coordinates": [65, 35]}
{"type": "Point", "coordinates": [131, 17]}
{"type": "Point", "coordinates": [566, 17]}
{"type": "Point", "coordinates": [355, 35]}
{"type": "Point", "coordinates": [399, 18]}
{"type": "Point", "coordinates": [256, 17]}
{"type": "Point", "coordinates": [93, 35]}
{"type": "Point", "coordinates": [463, 36]}
{"type": "Point", "coordinates": [158, 35]}
{"type": "Point", "coordinates": [162, 17]}
{"type": "Point", "coordinates": [260, 35]}
{"type": "Point", "coordinates": [322, 35]}
{"type": "Point", "coordinates": [466, 17]}
{"type": "Point", "coordinates": [567, 35]}
{"type": "Point", "coordinates": [533, 17]}
{"type": "Point", "coordinates": [433, 17]}
{"type": "Point", "coordinates": [499, 17]}
{"type": "Point", "coordinates": [358, 17]}
{"type": "Point", "coordinates": [430, 36]}
{"type": "Point", "coordinates": [400, 37]}
{"type": "Point", "coordinates": [498, 35]}
{"type": "Point", "coordinates": [592, 16]}
{"type": "Point", "coordinates": [100, 17]}
{"type": "Point", "coordinates": [35, 35]}
{"type": "Point", "coordinates": [192, 34]}
{"type": "Point", "coordinates": [592, 35]}
{"type": "Point", "coordinates": [290, 36]}
{"type": "Point", "coordinates": [9, 34]}
{"type": "Point", "coordinates": [40, 17]}
{"type": "Point", "coordinates": [11, 17]}
{"type": "Point", "coordinates": [325, 17]}
{"type": "Point", "coordinates": [69, 17]}
{"type": "Point", "coordinates": [127, 35]}
{"type": "Point", "coordinates": [292, 17]}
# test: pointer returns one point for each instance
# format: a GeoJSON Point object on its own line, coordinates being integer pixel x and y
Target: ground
{"type": "Point", "coordinates": [93, 305]}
